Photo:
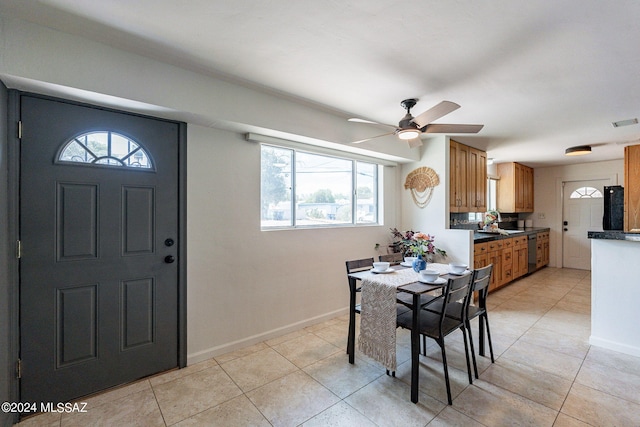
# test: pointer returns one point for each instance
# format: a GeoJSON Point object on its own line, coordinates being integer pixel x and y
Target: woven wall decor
{"type": "Point", "coordinates": [421, 182]}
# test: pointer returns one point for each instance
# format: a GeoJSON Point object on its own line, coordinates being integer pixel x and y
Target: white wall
{"type": "Point", "coordinates": [32, 56]}
{"type": "Point", "coordinates": [614, 295]}
{"type": "Point", "coordinates": [548, 195]}
{"type": "Point", "coordinates": [244, 285]}
{"type": "Point", "coordinates": [434, 218]}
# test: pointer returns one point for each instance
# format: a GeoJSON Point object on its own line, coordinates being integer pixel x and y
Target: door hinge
{"type": "Point", "coordinates": [19, 368]}
{"type": "Point", "coordinates": [19, 129]}
{"type": "Point", "coordinates": [18, 249]}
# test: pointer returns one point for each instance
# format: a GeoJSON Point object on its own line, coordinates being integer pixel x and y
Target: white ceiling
{"type": "Point", "coordinates": [540, 75]}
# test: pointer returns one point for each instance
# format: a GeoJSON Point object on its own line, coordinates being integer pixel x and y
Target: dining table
{"type": "Point", "coordinates": [401, 279]}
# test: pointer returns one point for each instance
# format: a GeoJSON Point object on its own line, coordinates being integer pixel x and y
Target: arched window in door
{"type": "Point", "coordinates": [105, 148]}
{"type": "Point", "coordinates": [586, 193]}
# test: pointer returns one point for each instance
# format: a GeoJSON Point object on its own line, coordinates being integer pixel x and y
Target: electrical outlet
{"type": "Point", "coordinates": [541, 215]}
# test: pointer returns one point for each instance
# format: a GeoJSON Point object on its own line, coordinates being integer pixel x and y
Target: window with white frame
{"type": "Point", "coordinates": [586, 193]}
{"type": "Point", "coordinates": [105, 148]}
{"type": "Point", "coordinates": [304, 189]}
{"type": "Point", "coordinates": [492, 194]}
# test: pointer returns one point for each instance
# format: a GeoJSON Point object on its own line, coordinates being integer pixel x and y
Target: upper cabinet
{"type": "Point", "coordinates": [468, 179]}
{"type": "Point", "coordinates": [515, 188]}
{"type": "Point", "coordinates": [477, 175]}
{"type": "Point", "coordinates": [632, 189]}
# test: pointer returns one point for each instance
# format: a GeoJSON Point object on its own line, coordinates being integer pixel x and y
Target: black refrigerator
{"type": "Point", "coordinates": [613, 218]}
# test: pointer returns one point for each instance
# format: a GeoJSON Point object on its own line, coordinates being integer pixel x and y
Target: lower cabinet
{"type": "Point", "coordinates": [495, 258]}
{"type": "Point", "coordinates": [542, 249]}
{"type": "Point", "coordinates": [510, 258]}
{"type": "Point", "coordinates": [520, 256]}
{"type": "Point", "coordinates": [480, 255]}
{"type": "Point", "coordinates": [507, 262]}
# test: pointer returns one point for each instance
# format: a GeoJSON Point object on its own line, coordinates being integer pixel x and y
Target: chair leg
{"type": "Point", "coordinates": [480, 337]}
{"type": "Point", "coordinates": [446, 371]}
{"type": "Point", "coordinates": [466, 352]}
{"type": "Point", "coordinates": [424, 345]}
{"type": "Point", "coordinates": [351, 338]}
{"type": "Point", "coordinates": [473, 351]}
{"type": "Point", "coordinates": [486, 319]}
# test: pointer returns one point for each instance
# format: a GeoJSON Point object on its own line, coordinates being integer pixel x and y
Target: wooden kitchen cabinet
{"type": "Point", "coordinates": [528, 189]}
{"type": "Point", "coordinates": [480, 255]}
{"type": "Point", "coordinates": [507, 262]}
{"type": "Point", "coordinates": [510, 257]}
{"type": "Point", "coordinates": [494, 257]}
{"type": "Point", "coordinates": [468, 178]}
{"type": "Point", "coordinates": [542, 249]}
{"type": "Point", "coordinates": [632, 189]}
{"type": "Point", "coordinates": [478, 180]}
{"type": "Point", "coordinates": [515, 188]}
{"type": "Point", "coordinates": [459, 178]}
{"type": "Point", "coordinates": [520, 256]}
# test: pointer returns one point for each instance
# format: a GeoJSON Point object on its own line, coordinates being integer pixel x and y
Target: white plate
{"type": "Point", "coordinates": [406, 264]}
{"type": "Point", "coordinates": [388, 270]}
{"type": "Point", "coordinates": [459, 274]}
{"type": "Point", "coordinates": [438, 281]}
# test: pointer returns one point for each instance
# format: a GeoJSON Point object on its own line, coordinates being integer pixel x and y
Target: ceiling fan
{"type": "Point", "coordinates": [410, 128]}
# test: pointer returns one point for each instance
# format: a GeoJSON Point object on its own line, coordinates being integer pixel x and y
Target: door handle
{"type": "Point", "coordinates": [169, 259]}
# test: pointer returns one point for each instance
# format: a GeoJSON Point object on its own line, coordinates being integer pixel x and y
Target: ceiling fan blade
{"type": "Point", "coordinates": [434, 113]}
{"type": "Point", "coordinates": [357, 120]}
{"type": "Point", "coordinates": [373, 137]}
{"type": "Point", "coordinates": [415, 142]}
{"type": "Point", "coordinates": [444, 128]}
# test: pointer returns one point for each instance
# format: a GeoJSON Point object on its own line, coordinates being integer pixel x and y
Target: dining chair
{"type": "Point", "coordinates": [354, 266]}
{"type": "Point", "coordinates": [437, 325]}
{"type": "Point", "coordinates": [480, 289]}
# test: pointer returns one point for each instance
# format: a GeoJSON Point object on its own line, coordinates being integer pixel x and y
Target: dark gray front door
{"type": "Point", "coordinates": [98, 277]}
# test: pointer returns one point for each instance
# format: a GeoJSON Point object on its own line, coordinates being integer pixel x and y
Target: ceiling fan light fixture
{"type": "Point", "coordinates": [578, 150]}
{"type": "Point", "coordinates": [405, 134]}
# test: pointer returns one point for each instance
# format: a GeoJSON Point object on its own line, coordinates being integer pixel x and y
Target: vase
{"type": "Point", "coordinates": [419, 264]}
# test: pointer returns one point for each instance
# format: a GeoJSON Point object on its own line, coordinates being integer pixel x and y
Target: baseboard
{"type": "Point", "coordinates": [200, 356]}
{"type": "Point", "coordinates": [615, 346]}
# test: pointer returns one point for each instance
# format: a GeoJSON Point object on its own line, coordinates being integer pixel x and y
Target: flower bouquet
{"type": "Point", "coordinates": [415, 243]}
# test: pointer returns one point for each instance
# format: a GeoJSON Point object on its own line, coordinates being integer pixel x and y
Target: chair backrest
{"type": "Point", "coordinates": [393, 258]}
{"type": "Point", "coordinates": [457, 289]}
{"type": "Point", "coordinates": [356, 265]}
{"type": "Point", "coordinates": [481, 279]}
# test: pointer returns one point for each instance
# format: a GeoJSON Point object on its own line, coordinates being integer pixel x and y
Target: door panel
{"type": "Point", "coordinates": [76, 221]}
{"type": "Point", "coordinates": [138, 231]}
{"type": "Point", "coordinates": [98, 303]}
{"type": "Point", "coordinates": [581, 215]}
{"type": "Point", "coordinates": [76, 325]}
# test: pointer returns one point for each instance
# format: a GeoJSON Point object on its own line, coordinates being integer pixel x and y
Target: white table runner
{"type": "Point", "coordinates": [378, 313]}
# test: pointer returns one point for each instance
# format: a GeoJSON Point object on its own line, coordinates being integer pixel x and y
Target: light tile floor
{"type": "Point", "coordinates": [545, 374]}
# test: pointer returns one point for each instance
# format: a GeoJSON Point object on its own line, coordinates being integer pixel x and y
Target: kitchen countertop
{"type": "Point", "coordinates": [613, 235]}
{"type": "Point", "coordinates": [481, 237]}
